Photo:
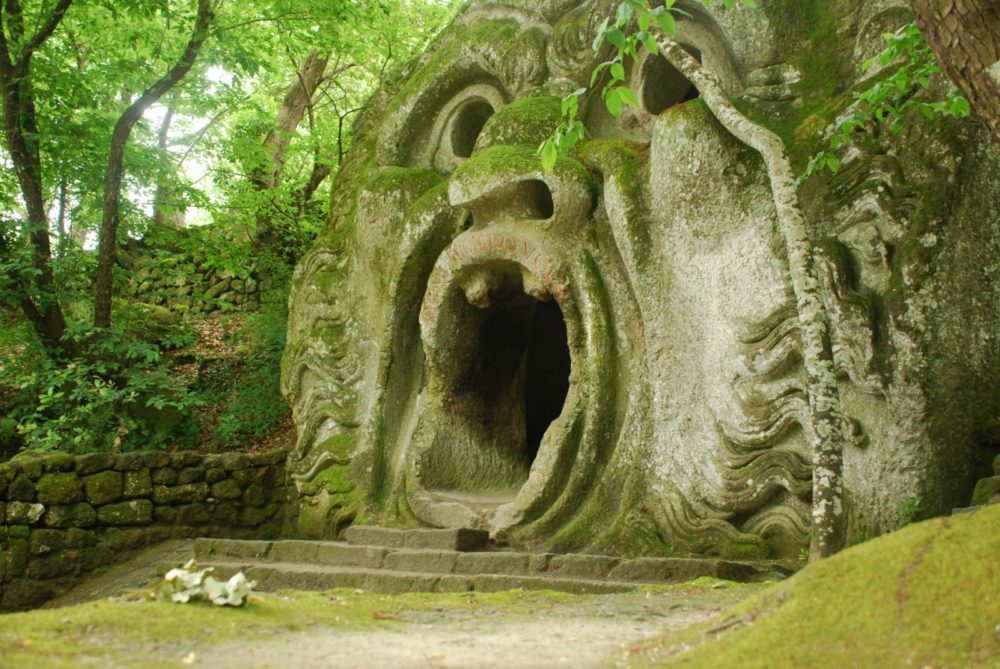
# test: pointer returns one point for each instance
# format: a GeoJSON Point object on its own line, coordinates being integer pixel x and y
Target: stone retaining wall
{"type": "Point", "coordinates": [65, 515]}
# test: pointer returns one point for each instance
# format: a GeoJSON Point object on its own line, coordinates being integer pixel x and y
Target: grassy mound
{"type": "Point", "coordinates": [925, 596]}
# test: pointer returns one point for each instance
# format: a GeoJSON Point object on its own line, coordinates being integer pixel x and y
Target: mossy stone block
{"type": "Point", "coordinates": [233, 461]}
{"type": "Point", "coordinates": [181, 494]}
{"type": "Point", "coordinates": [996, 465]}
{"type": "Point", "coordinates": [132, 512]}
{"type": "Point", "coordinates": [244, 477]}
{"type": "Point", "coordinates": [103, 488]}
{"type": "Point", "coordinates": [138, 483]}
{"type": "Point", "coordinates": [126, 462]}
{"type": "Point", "coordinates": [70, 515]}
{"type": "Point", "coordinates": [92, 463]}
{"type": "Point", "coordinates": [21, 489]}
{"type": "Point", "coordinates": [214, 474]}
{"type": "Point", "coordinates": [226, 489]}
{"type": "Point", "coordinates": [42, 542]}
{"type": "Point", "coordinates": [59, 462]}
{"type": "Point", "coordinates": [77, 538]}
{"type": "Point", "coordinates": [191, 475]}
{"type": "Point", "coordinates": [165, 476]}
{"type": "Point", "coordinates": [193, 514]}
{"type": "Point", "coordinates": [252, 516]}
{"type": "Point", "coordinates": [166, 515]}
{"type": "Point", "coordinates": [59, 488]}
{"type": "Point", "coordinates": [185, 459]}
{"type": "Point", "coordinates": [226, 514]}
{"type": "Point", "coordinates": [52, 566]}
{"type": "Point", "coordinates": [30, 464]}
{"type": "Point", "coordinates": [24, 513]}
{"type": "Point", "coordinates": [255, 495]}
{"type": "Point", "coordinates": [154, 459]}
{"type": "Point", "coordinates": [985, 490]}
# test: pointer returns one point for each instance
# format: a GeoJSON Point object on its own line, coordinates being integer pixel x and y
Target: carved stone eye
{"type": "Point", "coordinates": [468, 122]}
{"type": "Point", "coordinates": [460, 122]}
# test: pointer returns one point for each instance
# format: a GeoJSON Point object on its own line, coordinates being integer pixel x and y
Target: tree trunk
{"type": "Point", "coordinates": [297, 101]}
{"type": "Point", "coordinates": [108, 240]}
{"type": "Point", "coordinates": [825, 414]}
{"type": "Point", "coordinates": [40, 302]}
{"type": "Point", "coordinates": [165, 213]}
{"type": "Point", "coordinates": [965, 37]}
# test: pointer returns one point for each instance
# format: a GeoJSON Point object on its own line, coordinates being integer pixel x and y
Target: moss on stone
{"type": "Point", "coordinates": [59, 488]}
{"type": "Point", "coordinates": [927, 595]}
{"type": "Point", "coordinates": [104, 487]}
{"type": "Point", "coordinates": [528, 121]}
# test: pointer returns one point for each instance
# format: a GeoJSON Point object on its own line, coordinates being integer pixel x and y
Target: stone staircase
{"type": "Point", "coordinates": [394, 561]}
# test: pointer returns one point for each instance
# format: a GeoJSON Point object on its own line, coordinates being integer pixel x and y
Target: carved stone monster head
{"type": "Point", "coordinates": [607, 354]}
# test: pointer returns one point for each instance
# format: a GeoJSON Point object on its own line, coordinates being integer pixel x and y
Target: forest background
{"type": "Point", "coordinates": [165, 164]}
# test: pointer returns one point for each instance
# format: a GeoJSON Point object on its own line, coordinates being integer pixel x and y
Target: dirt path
{"type": "Point", "coordinates": [346, 629]}
{"type": "Point", "coordinates": [589, 631]}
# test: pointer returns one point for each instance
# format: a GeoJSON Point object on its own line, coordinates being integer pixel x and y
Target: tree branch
{"type": "Point", "coordinates": [108, 241]}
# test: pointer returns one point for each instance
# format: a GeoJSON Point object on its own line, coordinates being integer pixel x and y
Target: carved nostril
{"type": "Point", "coordinates": [468, 123]}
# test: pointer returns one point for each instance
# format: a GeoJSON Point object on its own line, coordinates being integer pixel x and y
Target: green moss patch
{"type": "Point", "coordinates": [139, 632]}
{"type": "Point", "coordinates": [927, 595]}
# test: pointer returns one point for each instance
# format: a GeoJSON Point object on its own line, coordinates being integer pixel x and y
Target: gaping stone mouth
{"type": "Point", "coordinates": [498, 417]}
{"type": "Point", "coordinates": [502, 380]}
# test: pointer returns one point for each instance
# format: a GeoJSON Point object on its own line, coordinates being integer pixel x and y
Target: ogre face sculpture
{"type": "Point", "coordinates": [607, 355]}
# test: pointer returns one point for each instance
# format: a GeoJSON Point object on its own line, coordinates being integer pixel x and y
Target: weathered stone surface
{"type": "Point", "coordinates": [193, 514]}
{"type": "Point", "coordinates": [41, 542]}
{"type": "Point", "coordinates": [228, 549]}
{"type": "Point", "coordinates": [103, 488]}
{"type": "Point", "coordinates": [164, 476]}
{"type": "Point", "coordinates": [91, 463]}
{"type": "Point", "coordinates": [185, 459]}
{"type": "Point", "coordinates": [255, 495]}
{"type": "Point", "coordinates": [435, 562]}
{"type": "Point", "coordinates": [21, 489]}
{"type": "Point", "coordinates": [226, 489]}
{"type": "Point", "coordinates": [986, 489]}
{"type": "Point", "coordinates": [24, 513]}
{"type": "Point", "coordinates": [214, 474]}
{"type": "Point", "coordinates": [132, 512]}
{"type": "Point", "coordinates": [181, 494]}
{"type": "Point", "coordinates": [491, 563]}
{"type": "Point", "coordinates": [138, 483]}
{"type": "Point", "coordinates": [59, 488]}
{"type": "Point", "coordinates": [652, 392]}
{"type": "Point", "coordinates": [582, 566]}
{"type": "Point", "coordinates": [70, 515]}
{"type": "Point", "coordinates": [191, 475]}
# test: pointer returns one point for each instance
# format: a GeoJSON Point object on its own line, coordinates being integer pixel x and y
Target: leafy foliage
{"type": "Point", "coordinates": [255, 406]}
{"type": "Point", "coordinates": [118, 395]}
{"type": "Point", "coordinates": [893, 97]}
{"type": "Point", "coordinates": [626, 42]}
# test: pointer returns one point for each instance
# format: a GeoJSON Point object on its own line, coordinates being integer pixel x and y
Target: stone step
{"type": "Point", "coordinates": [331, 554]}
{"type": "Point", "coordinates": [284, 575]}
{"type": "Point", "coordinates": [461, 539]}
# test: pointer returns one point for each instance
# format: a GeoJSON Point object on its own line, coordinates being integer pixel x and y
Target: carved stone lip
{"type": "Point", "coordinates": [477, 262]}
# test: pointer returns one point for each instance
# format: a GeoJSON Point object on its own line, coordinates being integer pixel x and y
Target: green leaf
{"type": "Point", "coordinates": [549, 154]}
{"type": "Point", "coordinates": [613, 101]}
{"type": "Point", "coordinates": [628, 96]}
{"type": "Point", "coordinates": [667, 23]}
{"type": "Point", "coordinates": [618, 71]}
{"type": "Point", "coordinates": [616, 37]}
